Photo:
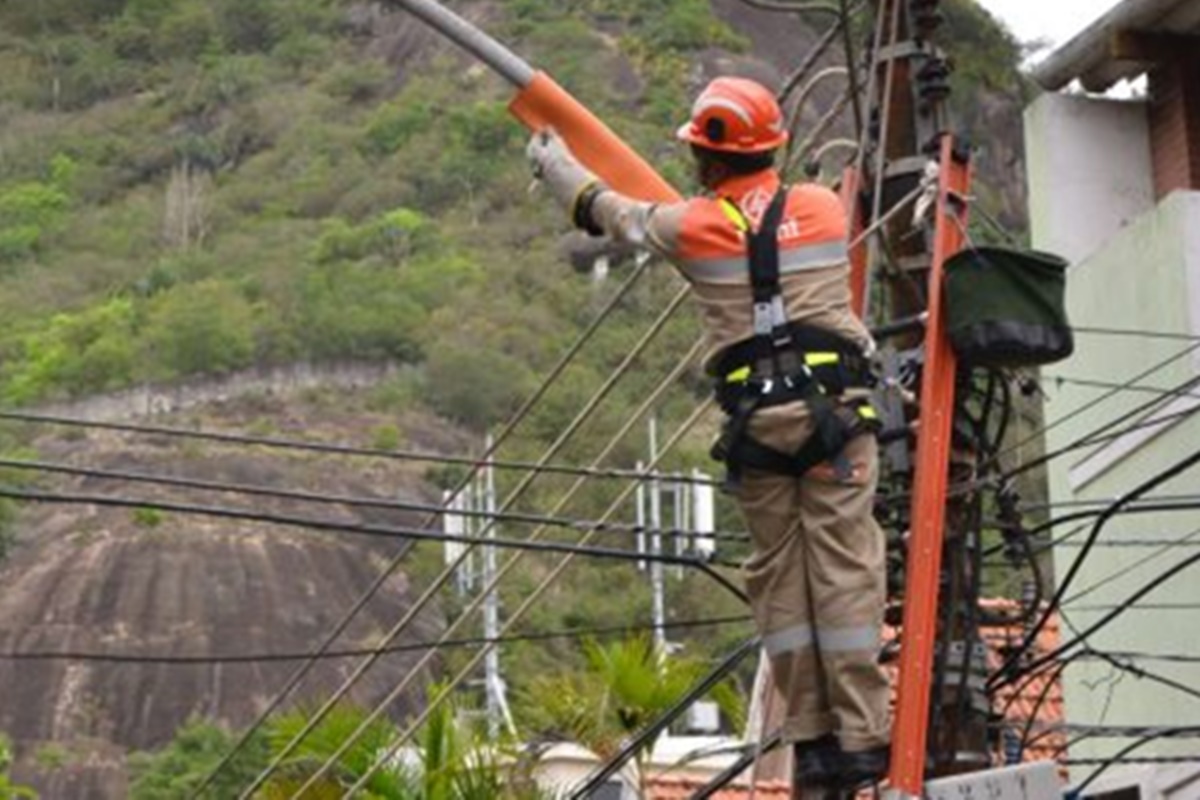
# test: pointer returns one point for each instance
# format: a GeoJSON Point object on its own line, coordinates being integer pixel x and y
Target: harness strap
{"type": "Point", "coordinates": [785, 362]}
{"type": "Point", "coordinates": [772, 337]}
{"type": "Point", "coordinates": [833, 431]}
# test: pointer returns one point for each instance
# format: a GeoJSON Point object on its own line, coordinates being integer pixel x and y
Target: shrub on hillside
{"type": "Point", "coordinates": [196, 329]}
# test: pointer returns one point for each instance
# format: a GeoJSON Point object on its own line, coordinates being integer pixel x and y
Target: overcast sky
{"type": "Point", "coordinates": [1053, 20]}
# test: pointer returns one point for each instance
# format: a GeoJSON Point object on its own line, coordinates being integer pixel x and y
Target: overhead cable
{"type": "Point", "coordinates": [527, 603]}
{"type": "Point", "coordinates": [1089, 405]}
{"type": "Point", "coordinates": [502, 436]}
{"type": "Point", "coordinates": [277, 443]}
{"type": "Point", "coordinates": [345, 526]}
{"type": "Point", "coordinates": [352, 501]}
{"type": "Point", "coordinates": [84, 656]}
{"type": "Point", "coordinates": [446, 574]}
{"type": "Point", "coordinates": [1105, 620]}
{"type": "Point", "coordinates": [1185, 464]}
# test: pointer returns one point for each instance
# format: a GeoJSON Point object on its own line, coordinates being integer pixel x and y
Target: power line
{"type": "Point", "coordinates": [530, 599]}
{"type": "Point", "coordinates": [1145, 506]}
{"type": "Point", "coordinates": [358, 501]}
{"type": "Point", "coordinates": [1125, 569]}
{"type": "Point", "coordinates": [1082, 637]}
{"type": "Point", "coordinates": [1093, 383]}
{"type": "Point", "coordinates": [1003, 676]}
{"type": "Point", "coordinates": [1119, 731]}
{"type": "Point", "coordinates": [1122, 753]}
{"type": "Point", "coordinates": [428, 594]}
{"type": "Point", "coordinates": [1084, 762]}
{"type": "Point", "coordinates": [1140, 543]}
{"type": "Point", "coordinates": [1180, 658]}
{"type": "Point", "coordinates": [277, 443]}
{"type": "Point", "coordinates": [261, 658]}
{"type": "Point", "coordinates": [582, 415]}
{"type": "Point", "coordinates": [350, 528]}
{"type": "Point", "coordinates": [1103, 501]}
{"type": "Point", "coordinates": [1135, 333]}
{"type": "Point", "coordinates": [1095, 402]}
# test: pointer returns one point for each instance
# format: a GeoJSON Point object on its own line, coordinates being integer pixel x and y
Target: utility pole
{"type": "Point", "coordinates": [909, 152]}
{"type": "Point", "coordinates": [494, 687]}
{"type": "Point", "coordinates": [640, 518]}
{"type": "Point", "coordinates": [656, 566]}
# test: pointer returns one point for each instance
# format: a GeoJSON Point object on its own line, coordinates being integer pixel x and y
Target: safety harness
{"type": "Point", "coordinates": [785, 362]}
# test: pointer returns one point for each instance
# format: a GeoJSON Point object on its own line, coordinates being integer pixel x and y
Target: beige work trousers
{"type": "Point", "coordinates": [817, 585]}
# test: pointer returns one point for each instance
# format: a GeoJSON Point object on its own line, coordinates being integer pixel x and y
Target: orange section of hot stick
{"type": "Point", "coordinates": [542, 104]}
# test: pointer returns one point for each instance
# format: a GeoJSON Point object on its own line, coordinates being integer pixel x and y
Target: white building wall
{"type": "Point", "coordinates": [1135, 266]}
{"type": "Point", "coordinates": [1089, 170]}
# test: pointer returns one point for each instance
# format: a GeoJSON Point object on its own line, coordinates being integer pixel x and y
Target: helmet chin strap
{"type": "Point", "coordinates": [712, 173]}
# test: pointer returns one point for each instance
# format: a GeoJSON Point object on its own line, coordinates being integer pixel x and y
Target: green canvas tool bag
{"type": "Point", "coordinates": [1005, 308]}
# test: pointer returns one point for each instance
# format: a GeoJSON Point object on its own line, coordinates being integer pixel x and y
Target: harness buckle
{"type": "Point", "coordinates": [763, 323]}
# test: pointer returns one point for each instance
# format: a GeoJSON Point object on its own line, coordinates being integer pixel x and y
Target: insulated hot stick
{"type": "Point", "coordinates": [540, 103]}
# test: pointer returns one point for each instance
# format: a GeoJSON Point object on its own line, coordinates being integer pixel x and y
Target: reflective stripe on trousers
{"type": "Point", "coordinates": [827, 640]}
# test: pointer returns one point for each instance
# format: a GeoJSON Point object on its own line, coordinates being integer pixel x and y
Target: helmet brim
{"type": "Point", "coordinates": [688, 133]}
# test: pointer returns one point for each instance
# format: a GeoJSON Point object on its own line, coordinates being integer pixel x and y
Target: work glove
{"type": "Point", "coordinates": [554, 164]}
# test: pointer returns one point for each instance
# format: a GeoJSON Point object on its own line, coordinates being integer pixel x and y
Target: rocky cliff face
{"type": "Point", "coordinates": [143, 583]}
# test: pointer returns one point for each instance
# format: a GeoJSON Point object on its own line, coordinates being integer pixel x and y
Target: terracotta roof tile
{"type": "Point", "coordinates": [669, 788]}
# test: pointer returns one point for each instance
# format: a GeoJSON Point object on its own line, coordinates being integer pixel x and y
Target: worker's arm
{"type": "Point", "coordinates": [593, 207]}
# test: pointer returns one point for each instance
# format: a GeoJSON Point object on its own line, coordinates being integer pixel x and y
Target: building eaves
{"type": "Point", "coordinates": [1115, 46]}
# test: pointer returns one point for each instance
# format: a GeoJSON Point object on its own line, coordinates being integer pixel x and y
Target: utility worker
{"type": "Point", "coordinates": [770, 273]}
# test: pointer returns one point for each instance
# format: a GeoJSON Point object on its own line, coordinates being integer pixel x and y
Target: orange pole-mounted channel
{"type": "Point", "coordinates": [858, 253]}
{"type": "Point", "coordinates": [544, 104]}
{"type": "Point", "coordinates": [931, 480]}
{"type": "Point", "coordinates": [541, 103]}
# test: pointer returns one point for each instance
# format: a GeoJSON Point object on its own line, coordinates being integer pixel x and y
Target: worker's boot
{"type": "Point", "coordinates": [863, 768]}
{"type": "Point", "coordinates": [815, 767]}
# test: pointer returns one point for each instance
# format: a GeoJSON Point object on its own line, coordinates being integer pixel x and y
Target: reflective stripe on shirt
{"type": "Point", "coordinates": [734, 269]}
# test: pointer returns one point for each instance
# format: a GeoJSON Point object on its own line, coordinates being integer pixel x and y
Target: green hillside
{"type": "Point", "coordinates": [198, 186]}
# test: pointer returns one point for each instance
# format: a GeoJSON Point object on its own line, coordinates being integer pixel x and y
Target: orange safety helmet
{"type": "Point", "coordinates": [735, 115]}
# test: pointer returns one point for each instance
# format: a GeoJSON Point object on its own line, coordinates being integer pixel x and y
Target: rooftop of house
{"type": "Point", "coordinates": [1122, 44]}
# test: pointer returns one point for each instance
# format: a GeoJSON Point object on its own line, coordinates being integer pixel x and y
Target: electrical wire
{"type": "Point", "coordinates": [1098, 437]}
{"type": "Point", "coordinates": [1179, 658]}
{"type": "Point", "coordinates": [1157, 391]}
{"type": "Point", "coordinates": [346, 527]}
{"type": "Point", "coordinates": [362, 502]}
{"type": "Point", "coordinates": [1089, 405]}
{"type": "Point", "coordinates": [798, 7]}
{"type": "Point", "coordinates": [443, 578]}
{"type": "Point", "coordinates": [1142, 507]}
{"type": "Point", "coordinates": [1145, 674]}
{"type": "Point", "coordinates": [792, 82]}
{"type": "Point", "coordinates": [1081, 638]}
{"type": "Point", "coordinates": [845, 12]}
{"type": "Point", "coordinates": [1137, 544]}
{"type": "Point", "coordinates": [516, 615]}
{"type": "Point", "coordinates": [1077, 762]}
{"type": "Point", "coordinates": [1126, 569]}
{"type": "Point", "coordinates": [1108, 763]}
{"type": "Point", "coordinates": [1084, 502]}
{"type": "Point", "coordinates": [277, 443]}
{"type": "Point", "coordinates": [445, 575]}
{"type": "Point", "coordinates": [506, 430]}
{"type": "Point", "coordinates": [1102, 520]}
{"type": "Point", "coordinates": [1135, 333]}
{"type": "Point", "coordinates": [355, 652]}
